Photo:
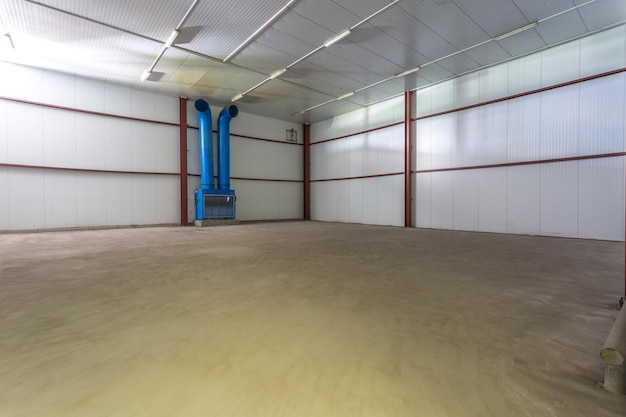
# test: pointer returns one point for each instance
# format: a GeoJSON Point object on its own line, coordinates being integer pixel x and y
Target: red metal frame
{"type": "Point", "coordinates": [184, 207]}
{"type": "Point", "coordinates": [306, 166]}
{"type": "Point", "coordinates": [407, 158]}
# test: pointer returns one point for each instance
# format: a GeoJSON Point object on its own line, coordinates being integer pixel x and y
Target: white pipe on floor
{"type": "Point", "coordinates": [613, 353]}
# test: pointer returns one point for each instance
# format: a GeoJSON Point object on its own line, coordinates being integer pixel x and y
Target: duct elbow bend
{"type": "Point", "coordinates": [202, 106]}
{"type": "Point", "coordinates": [228, 113]}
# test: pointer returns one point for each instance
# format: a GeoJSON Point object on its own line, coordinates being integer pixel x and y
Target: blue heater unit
{"type": "Point", "coordinates": [211, 203]}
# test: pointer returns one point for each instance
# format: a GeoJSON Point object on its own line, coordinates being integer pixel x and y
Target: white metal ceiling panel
{"type": "Point", "coordinates": [224, 92]}
{"type": "Point", "coordinates": [307, 75]}
{"type": "Point", "coordinates": [226, 24]}
{"type": "Point", "coordinates": [535, 10]}
{"type": "Point", "coordinates": [494, 16]}
{"type": "Point", "coordinates": [57, 38]}
{"type": "Point", "coordinates": [276, 58]}
{"type": "Point", "coordinates": [335, 63]}
{"type": "Point", "coordinates": [434, 73]}
{"type": "Point", "coordinates": [376, 41]}
{"type": "Point", "coordinates": [297, 27]}
{"type": "Point", "coordinates": [603, 13]}
{"type": "Point", "coordinates": [181, 67]}
{"type": "Point", "coordinates": [413, 34]}
{"type": "Point", "coordinates": [330, 110]}
{"type": "Point", "coordinates": [488, 53]}
{"type": "Point", "coordinates": [248, 59]}
{"type": "Point", "coordinates": [152, 18]}
{"type": "Point", "coordinates": [458, 64]}
{"type": "Point", "coordinates": [343, 74]}
{"type": "Point", "coordinates": [364, 8]}
{"type": "Point", "coordinates": [562, 27]}
{"type": "Point", "coordinates": [522, 43]}
{"type": "Point", "coordinates": [373, 66]}
{"type": "Point", "coordinates": [287, 44]}
{"type": "Point", "coordinates": [450, 22]}
{"type": "Point", "coordinates": [328, 14]}
{"type": "Point", "coordinates": [373, 94]}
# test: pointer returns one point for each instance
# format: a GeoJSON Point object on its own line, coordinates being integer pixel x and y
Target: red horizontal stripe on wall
{"type": "Point", "coordinates": [96, 113]}
{"type": "Point", "coordinates": [391, 174]}
{"type": "Point", "coordinates": [512, 164]}
{"type": "Point", "coordinates": [102, 171]}
{"type": "Point", "coordinates": [360, 133]}
{"type": "Point", "coordinates": [254, 138]}
{"type": "Point", "coordinates": [254, 179]}
{"type": "Point", "coordinates": [527, 93]}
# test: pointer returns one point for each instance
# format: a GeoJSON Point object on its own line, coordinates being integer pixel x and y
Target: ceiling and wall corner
{"type": "Point", "coordinates": [276, 56]}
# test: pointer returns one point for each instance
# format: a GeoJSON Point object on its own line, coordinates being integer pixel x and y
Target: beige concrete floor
{"type": "Point", "coordinates": [304, 319]}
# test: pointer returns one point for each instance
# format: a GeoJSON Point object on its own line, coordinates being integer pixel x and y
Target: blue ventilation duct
{"type": "Point", "coordinates": [205, 125]}
{"type": "Point", "coordinates": [212, 203]}
{"type": "Point", "coordinates": [223, 146]}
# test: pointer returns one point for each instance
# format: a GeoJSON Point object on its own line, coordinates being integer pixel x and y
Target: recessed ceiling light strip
{"type": "Point", "coordinates": [565, 11]}
{"type": "Point", "coordinates": [168, 42]}
{"type": "Point", "coordinates": [375, 14]}
{"type": "Point", "coordinates": [186, 16]}
{"type": "Point", "coordinates": [265, 25]}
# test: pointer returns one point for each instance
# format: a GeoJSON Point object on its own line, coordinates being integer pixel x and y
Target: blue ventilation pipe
{"type": "Point", "coordinates": [223, 146]}
{"type": "Point", "coordinates": [205, 139]}
{"type": "Point", "coordinates": [205, 126]}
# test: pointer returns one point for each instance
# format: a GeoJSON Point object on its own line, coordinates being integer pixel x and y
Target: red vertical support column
{"type": "Point", "coordinates": [307, 170]}
{"type": "Point", "coordinates": [182, 103]}
{"type": "Point", "coordinates": [407, 159]}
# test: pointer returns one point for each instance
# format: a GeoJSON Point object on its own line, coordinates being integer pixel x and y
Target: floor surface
{"type": "Point", "coordinates": [304, 319]}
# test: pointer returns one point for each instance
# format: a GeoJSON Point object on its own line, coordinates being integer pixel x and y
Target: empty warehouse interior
{"type": "Point", "coordinates": [430, 207]}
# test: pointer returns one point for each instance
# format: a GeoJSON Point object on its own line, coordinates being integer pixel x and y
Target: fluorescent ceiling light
{"type": "Point", "coordinates": [516, 31]}
{"type": "Point", "coordinates": [170, 41]}
{"type": "Point", "coordinates": [337, 38]}
{"type": "Point", "coordinates": [237, 97]}
{"type": "Point", "coordinates": [145, 75]}
{"type": "Point", "coordinates": [350, 94]}
{"type": "Point", "coordinates": [277, 74]}
{"type": "Point", "coordinates": [259, 30]}
{"type": "Point", "coordinates": [407, 72]}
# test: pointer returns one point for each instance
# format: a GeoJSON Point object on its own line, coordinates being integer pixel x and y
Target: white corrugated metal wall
{"type": "Point", "coordinates": [579, 198]}
{"type": "Point", "coordinates": [38, 136]}
{"type": "Point", "coordinates": [358, 179]}
{"type": "Point", "coordinates": [87, 170]}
